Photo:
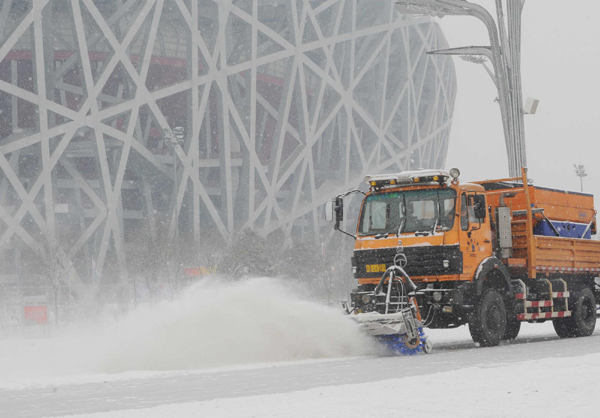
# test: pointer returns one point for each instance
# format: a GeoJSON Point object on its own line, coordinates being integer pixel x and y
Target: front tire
{"type": "Point", "coordinates": [488, 323]}
{"type": "Point", "coordinates": [512, 327]}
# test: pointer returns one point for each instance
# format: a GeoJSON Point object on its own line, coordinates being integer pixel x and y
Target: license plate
{"type": "Point", "coordinates": [376, 268]}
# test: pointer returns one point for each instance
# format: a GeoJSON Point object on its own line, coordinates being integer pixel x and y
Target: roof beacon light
{"type": "Point", "coordinates": [454, 173]}
{"type": "Point", "coordinates": [407, 178]}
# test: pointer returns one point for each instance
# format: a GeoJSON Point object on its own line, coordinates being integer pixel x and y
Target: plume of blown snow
{"type": "Point", "coordinates": [216, 324]}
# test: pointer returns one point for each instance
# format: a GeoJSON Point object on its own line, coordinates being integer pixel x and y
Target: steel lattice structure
{"type": "Point", "coordinates": [284, 103]}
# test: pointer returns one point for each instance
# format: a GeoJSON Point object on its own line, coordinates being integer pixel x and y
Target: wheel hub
{"type": "Point", "coordinates": [587, 311]}
{"type": "Point", "coordinates": [493, 319]}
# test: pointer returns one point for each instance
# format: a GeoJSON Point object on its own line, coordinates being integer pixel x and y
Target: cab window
{"type": "Point", "coordinates": [377, 215]}
{"type": "Point", "coordinates": [408, 212]}
{"type": "Point", "coordinates": [447, 206]}
{"type": "Point", "coordinates": [464, 213]}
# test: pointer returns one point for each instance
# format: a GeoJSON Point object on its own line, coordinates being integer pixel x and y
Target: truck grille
{"type": "Point", "coordinates": [422, 261]}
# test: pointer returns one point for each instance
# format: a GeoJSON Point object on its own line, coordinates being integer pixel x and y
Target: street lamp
{"type": "Point", "coordinates": [175, 138]}
{"type": "Point", "coordinates": [504, 54]}
{"type": "Point", "coordinates": [580, 172]}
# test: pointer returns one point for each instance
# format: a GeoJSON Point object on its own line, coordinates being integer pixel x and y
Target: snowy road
{"type": "Point", "coordinates": [454, 352]}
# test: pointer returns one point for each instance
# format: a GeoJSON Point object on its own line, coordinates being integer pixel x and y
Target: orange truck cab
{"type": "Point", "coordinates": [488, 254]}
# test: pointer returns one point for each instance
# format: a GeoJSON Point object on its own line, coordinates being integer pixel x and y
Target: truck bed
{"type": "Point", "coordinates": [539, 254]}
{"type": "Point", "coordinates": [555, 254]}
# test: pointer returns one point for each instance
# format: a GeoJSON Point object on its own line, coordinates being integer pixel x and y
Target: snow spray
{"type": "Point", "coordinates": [216, 323]}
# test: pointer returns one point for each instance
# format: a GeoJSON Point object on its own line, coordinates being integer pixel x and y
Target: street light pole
{"type": "Point", "coordinates": [580, 172]}
{"type": "Point", "coordinates": [504, 54]}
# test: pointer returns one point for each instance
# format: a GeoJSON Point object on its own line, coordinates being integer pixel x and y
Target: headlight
{"type": "Point", "coordinates": [366, 299]}
{"type": "Point", "coordinates": [454, 173]}
{"type": "Point", "coordinates": [437, 296]}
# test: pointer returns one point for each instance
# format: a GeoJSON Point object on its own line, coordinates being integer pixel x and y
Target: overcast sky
{"type": "Point", "coordinates": [560, 67]}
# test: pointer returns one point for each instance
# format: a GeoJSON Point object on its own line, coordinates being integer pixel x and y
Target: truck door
{"type": "Point", "coordinates": [475, 232]}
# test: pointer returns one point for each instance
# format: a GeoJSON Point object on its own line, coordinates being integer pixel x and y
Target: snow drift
{"type": "Point", "coordinates": [213, 324]}
{"type": "Point", "coordinates": [216, 324]}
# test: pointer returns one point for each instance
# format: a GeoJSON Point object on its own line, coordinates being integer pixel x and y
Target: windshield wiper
{"type": "Point", "coordinates": [401, 226]}
{"type": "Point", "coordinates": [437, 220]}
{"type": "Point", "coordinates": [403, 221]}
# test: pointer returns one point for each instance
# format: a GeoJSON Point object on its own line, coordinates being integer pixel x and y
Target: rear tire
{"type": "Point", "coordinates": [582, 321]}
{"type": "Point", "coordinates": [488, 323]}
{"type": "Point", "coordinates": [563, 327]}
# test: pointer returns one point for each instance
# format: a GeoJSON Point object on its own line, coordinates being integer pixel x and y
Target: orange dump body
{"type": "Point", "coordinates": [558, 205]}
{"type": "Point", "coordinates": [536, 254]}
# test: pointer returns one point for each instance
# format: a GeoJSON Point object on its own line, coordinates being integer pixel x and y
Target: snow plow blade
{"type": "Point", "coordinates": [400, 330]}
{"type": "Point", "coordinates": [375, 323]}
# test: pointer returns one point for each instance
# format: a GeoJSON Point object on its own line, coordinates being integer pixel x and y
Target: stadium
{"type": "Point", "coordinates": [127, 123]}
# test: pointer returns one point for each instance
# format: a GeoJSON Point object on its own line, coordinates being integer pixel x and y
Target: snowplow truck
{"type": "Point", "coordinates": [491, 254]}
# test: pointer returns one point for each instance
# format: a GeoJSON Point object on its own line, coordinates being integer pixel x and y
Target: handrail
{"type": "Point", "coordinates": [531, 254]}
{"type": "Point", "coordinates": [497, 180]}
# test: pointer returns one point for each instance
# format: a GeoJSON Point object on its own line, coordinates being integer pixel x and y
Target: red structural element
{"type": "Point", "coordinates": [37, 314]}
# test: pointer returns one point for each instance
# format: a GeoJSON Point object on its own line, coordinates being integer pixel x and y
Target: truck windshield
{"type": "Point", "coordinates": [409, 211]}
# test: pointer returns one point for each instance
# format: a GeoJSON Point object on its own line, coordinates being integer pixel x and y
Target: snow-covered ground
{"type": "Point", "coordinates": [256, 350]}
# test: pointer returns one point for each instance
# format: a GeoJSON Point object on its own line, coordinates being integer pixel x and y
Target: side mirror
{"type": "Point", "coordinates": [479, 209]}
{"type": "Point", "coordinates": [339, 211]}
{"type": "Point", "coordinates": [337, 207]}
{"type": "Point", "coordinates": [329, 211]}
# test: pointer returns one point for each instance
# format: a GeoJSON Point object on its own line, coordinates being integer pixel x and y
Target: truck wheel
{"type": "Point", "coordinates": [563, 327]}
{"type": "Point", "coordinates": [512, 328]}
{"type": "Point", "coordinates": [488, 324]}
{"type": "Point", "coordinates": [582, 321]}
{"type": "Point", "coordinates": [584, 313]}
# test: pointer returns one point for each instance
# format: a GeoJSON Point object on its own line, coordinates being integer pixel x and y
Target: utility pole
{"type": "Point", "coordinates": [580, 172]}
{"type": "Point", "coordinates": [504, 53]}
